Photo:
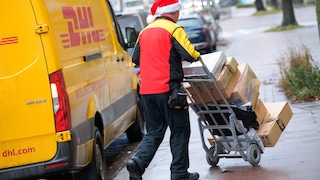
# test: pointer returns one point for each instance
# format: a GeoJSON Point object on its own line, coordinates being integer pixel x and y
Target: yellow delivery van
{"type": "Point", "coordinates": [67, 89]}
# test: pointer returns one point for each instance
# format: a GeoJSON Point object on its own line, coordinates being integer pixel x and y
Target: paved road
{"type": "Point", "coordinates": [296, 154]}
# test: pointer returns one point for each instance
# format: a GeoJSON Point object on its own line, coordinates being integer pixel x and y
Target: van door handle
{"type": "Point", "coordinates": [118, 59]}
{"type": "Point", "coordinates": [91, 57]}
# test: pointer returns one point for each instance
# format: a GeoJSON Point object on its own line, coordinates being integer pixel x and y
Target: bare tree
{"type": "Point", "coordinates": [288, 13]}
{"type": "Point", "coordinates": [259, 5]}
{"type": "Point", "coordinates": [318, 14]}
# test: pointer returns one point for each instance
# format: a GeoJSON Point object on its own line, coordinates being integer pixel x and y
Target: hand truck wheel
{"type": "Point", "coordinates": [253, 154]}
{"type": "Point", "coordinates": [212, 156]}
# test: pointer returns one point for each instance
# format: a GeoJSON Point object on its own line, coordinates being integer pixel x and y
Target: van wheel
{"type": "Point", "coordinates": [136, 131]}
{"type": "Point", "coordinates": [97, 169]}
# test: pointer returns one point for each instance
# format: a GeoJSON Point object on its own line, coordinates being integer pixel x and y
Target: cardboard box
{"type": "Point", "coordinates": [210, 139]}
{"type": "Point", "coordinates": [260, 110]}
{"type": "Point", "coordinates": [269, 133]}
{"type": "Point", "coordinates": [255, 100]}
{"type": "Point", "coordinates": [247, 88]}
{"type": "Point", "coordinates": [205, 94]}
{"type": "Point", "coordinates": [213, 61]}
{"type": "Point", "coordinates": [199, 91]}
{"type": "Point", "coordinates": [277, 118]}
{"type": "Point", "coordinates": [280, 111]}
{"type": "Point", "coordinates": [224, 78]}
{"type": "Point", "coordinates": [232, 64]}
{"type": "Point", "coordinates": [232, 84]}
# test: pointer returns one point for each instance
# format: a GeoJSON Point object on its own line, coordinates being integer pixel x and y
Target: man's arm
{"type": "Point", "coordinates": [136, 54]}
{"type": "Point", "coordinates": [184, 46]}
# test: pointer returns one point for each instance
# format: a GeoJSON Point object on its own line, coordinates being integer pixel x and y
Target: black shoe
{"type": "Point", "coordinates": [187, 176]}
{"type": "Point", "coordinates": [134, 171]}
{"type": "Point", "coordinates": [193, 176]}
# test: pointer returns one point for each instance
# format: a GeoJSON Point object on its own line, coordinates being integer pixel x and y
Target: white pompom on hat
{"type": "Point", "coordinates": [150, 18]}
{"type": "Point", "coordinates": [165, 6]}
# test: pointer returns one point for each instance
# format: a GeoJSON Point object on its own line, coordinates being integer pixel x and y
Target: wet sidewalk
{"type": "Point", "coordinates": [297, 153]}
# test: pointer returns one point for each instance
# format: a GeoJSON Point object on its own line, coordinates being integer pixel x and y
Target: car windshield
{"type": "Point", "coordinates": [129, 21]}
{"type": "Point", "coordinates": [189, 22]}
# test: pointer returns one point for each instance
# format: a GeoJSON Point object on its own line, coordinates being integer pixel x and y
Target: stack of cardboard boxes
{"type": "Point", "coordinates": [275, 118]}
{"type": "Point", "coordinates": [238, 85]}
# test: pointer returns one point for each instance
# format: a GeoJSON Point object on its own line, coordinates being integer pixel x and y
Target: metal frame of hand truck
{"type": "Point", "coordinates": [241, 143]}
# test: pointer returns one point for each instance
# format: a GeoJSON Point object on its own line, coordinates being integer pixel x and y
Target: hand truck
{"type": "Point", "coordinates": [233, 136]}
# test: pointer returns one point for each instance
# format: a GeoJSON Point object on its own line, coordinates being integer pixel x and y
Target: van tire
{"type": "Point", "coordinates": [137, 130]}
{"type": "Point", "coordinates": [97, 169]}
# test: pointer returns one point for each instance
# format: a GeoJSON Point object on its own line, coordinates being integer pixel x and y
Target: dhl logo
{"type": "Point", "coordinates": [9, 40]}
{"type": "Point", "coordinates": [81, 27]}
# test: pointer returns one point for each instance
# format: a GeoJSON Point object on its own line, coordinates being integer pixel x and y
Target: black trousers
{"type": "Point", "coordinates": [159, 116]}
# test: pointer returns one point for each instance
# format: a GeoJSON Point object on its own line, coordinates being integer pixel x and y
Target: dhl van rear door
{"type": "Point", "coordinates": [26, 112]}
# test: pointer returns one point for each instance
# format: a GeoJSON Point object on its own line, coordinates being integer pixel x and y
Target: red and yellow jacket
{"type": "Point", "coordinates": [159, 50]}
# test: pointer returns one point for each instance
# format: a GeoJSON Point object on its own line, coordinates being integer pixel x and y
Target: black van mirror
{"type": "Point", "coordinates": [132, 36]}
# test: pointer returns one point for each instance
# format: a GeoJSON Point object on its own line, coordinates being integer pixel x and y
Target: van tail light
{"type": "Point", "coordinates": [60, 102]}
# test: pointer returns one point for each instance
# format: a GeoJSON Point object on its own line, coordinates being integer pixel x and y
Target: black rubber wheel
{"type": "Point", "coordinates": [97, 169]}
{"type": "Point", "coordinates": [212, 157]}
{"type": "Point", "coordinates": [254, 154]}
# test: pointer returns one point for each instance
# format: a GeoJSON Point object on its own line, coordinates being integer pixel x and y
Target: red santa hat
{"type": "Point", "coordinates": [165, 6]}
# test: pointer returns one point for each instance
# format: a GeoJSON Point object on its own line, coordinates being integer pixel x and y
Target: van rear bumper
{"type": "Point", "coordinates": [41, 169]}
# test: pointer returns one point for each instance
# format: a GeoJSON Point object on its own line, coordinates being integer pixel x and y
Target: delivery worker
{"type": "Point", "coordinates": [159, 52]}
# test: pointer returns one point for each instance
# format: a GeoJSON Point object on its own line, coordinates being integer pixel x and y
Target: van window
{"type": "Point", "coordinates": [130, 21]}
{"type": "Point", "coordinates": [116, 26]}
